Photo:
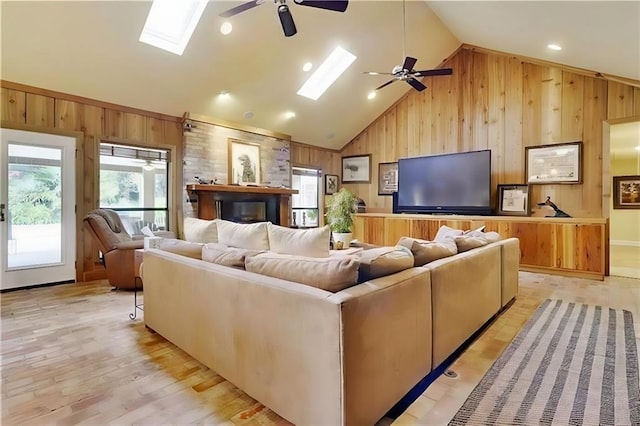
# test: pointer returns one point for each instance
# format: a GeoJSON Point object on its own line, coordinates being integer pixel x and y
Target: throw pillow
{"type": "Point", "coordinates": [327, 273]}
{"type": "Point", "coordinates": [469, 242]}
{"type": "Point", "coordinates": [427, 251]}
{"type": "Point", "coordinates": [445, 232]}
{"type": "Point", "coordinates": [200, 230]}
{"type": "Point", "coordinates": [183, 248]}
{"type": "Point", "coordinates": [302, 242]}
{"type": "Point", "coordinates": [252, 236]}
{"type": "Point", "coordinates": [491, 236]}
{"type": "Point", "coordinates": [382, 261]}
{"type": "Point", "coordinates": [226, 256]}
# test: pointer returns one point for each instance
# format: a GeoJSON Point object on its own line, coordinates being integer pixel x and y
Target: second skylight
{"type": "Point", "coordinates": [327, 73]}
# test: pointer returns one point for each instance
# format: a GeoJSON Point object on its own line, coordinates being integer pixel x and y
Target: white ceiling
{"type": "Point", "coordinates": [91, 49]}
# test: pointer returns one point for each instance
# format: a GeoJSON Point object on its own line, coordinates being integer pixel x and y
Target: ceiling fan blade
{"type": "Point", "coordinates": [241, 8]}
{"type": "Point", "coordinates": [377, 73]}
{"type": "Point", "coordinates": [409, 62]}
{"type": "Point", "coordinates": [385, 85]}
{"type": "Point", "coordinates": [439, 71]}
{"type": "Point", "coordinates": [416, 84]}
{"type": "Point", "coordinates": [286, 20]}
{"type": "Point", "coordinates": [335, 5]}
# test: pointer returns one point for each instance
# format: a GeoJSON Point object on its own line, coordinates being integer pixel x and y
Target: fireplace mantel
{"type": "Point", "coordinates": [211, 197]}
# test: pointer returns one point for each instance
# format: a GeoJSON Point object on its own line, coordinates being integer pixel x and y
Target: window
{"type": "Point", "coordinates": [135, 182]}
{"type": "Point", "coordinates": [304, 204]}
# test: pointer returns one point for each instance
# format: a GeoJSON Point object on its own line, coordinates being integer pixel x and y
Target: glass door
{"type": "Point", "coordinates": [37, 209]}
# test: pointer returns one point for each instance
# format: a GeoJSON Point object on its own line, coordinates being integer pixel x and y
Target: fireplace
{"type": "Point", "coordinates": [244, 204]}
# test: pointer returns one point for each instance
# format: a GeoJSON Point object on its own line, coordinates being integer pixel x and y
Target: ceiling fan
{"type": "Point", "coordinates": [286, 20]}
{"type": "Point", "coordinates": [405, 72]}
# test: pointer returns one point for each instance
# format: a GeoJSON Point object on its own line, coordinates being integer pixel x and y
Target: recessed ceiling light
{"type": "Point", "coordinates": [226, 28]}
{"type": "Point", "coordinates": [371, 94]}
{"type": "Point", "coordinates": [289, 114]}
{"type": "Point", "coordinates": [307, 66]}
{"type": "Point", "coordinates": [637, 148]}
{"type": "Point", "coordinates": [328, 72]}
{"type": "Point", "coordinates": [224, 94]}
{"type": "Point", "coordinates": [249, 115]}
{"type": "Point", "coordinates": [170, 24]}
{"type": "Point", "coordinates": [554, 47]}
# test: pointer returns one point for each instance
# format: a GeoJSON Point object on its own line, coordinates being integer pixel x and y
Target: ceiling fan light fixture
{"type": "Point", "coordinates": [327, 73]}
{"type": "Point", "coordinates": [170, 24]}
{"type": "Point", "coordinates": [148, 166]}
{"type": "Point", "coordinates": [286, 20]}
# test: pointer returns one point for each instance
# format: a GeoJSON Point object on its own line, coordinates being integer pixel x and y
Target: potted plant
{"type": "Point", "coordinates": [339, 212]}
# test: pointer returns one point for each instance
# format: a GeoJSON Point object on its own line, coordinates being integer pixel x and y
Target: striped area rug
{"type": "Point", "coordinates": [571, 364]}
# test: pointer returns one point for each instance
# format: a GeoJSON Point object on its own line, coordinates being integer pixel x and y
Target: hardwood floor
{"type": "Point", "coordinates": [70, 355]}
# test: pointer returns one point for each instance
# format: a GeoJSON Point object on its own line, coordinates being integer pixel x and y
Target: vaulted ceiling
{"type": "Point", "coordinates": [91, 49]}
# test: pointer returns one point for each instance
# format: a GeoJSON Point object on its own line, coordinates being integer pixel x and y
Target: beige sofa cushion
{"type": "Point", "coordinates": [183, 248]}
{"type": "Point", "coordinates": [475, 239]}
{"type": "Point", "coordinates": [445, 232]}
{"type": "Point", "coordinates": [252, 236]}
{"type": "Point", "coordinates": [200, 230]}
{"type": "Point", "coordinates": [301, 242]}
{"type": "Point", "coordinates": [226, 256]}
{"type": "Point", "coordinates": [327, 273]}
{"type": "Point", "coordinates": [382, 261]}
{"type": "Point", "coordinates": [427, 251]}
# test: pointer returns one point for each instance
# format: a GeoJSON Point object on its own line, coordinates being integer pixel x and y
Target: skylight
{"type": "Point", "coordinates": [170, 23]}
{"type": "Point", "coordinates": [327, 73]}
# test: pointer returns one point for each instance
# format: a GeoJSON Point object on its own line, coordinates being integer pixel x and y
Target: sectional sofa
{"type": "Point", "coordinates": [319, 357]}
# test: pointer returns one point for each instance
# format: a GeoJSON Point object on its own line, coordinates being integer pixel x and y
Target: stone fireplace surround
{"type": "Point", "coordinates": [244, 204]}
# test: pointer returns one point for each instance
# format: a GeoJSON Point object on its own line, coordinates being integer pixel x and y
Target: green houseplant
{"type": "Point", "coordinates": [339, 212]}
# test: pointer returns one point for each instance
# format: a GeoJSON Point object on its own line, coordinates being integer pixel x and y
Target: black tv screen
{"type": "Point", "coordinates": [457, 183]}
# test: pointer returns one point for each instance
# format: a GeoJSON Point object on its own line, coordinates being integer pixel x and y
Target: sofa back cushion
{"type": "Point", "coordinates": [252, 236]}
{"type": "Point", "coordinates": [427, 251]}
{"type": "Point", "coordinates": [303, 242]}
{"type": "Point", "coordinates": [382, 261]}
{"type": "Point", "coordinates": [200, 230]}
{"type": "Point", "coordinates": [227, 256]}
{"type": "Point", "coordinates": [333, 273]}
{"type": "Point", "coordinates": [183, 248]}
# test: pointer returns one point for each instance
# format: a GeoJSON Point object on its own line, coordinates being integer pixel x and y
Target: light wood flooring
{"type": "Point", "coordinates": [70, 355]}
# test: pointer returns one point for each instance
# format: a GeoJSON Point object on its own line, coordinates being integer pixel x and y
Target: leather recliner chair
{"type": "Point", "coordinates": [117, 246]}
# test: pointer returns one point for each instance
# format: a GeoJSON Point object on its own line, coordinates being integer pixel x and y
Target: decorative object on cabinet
{"type": "Point", "coordinates": [387, 178]}
{"type": "Point", "coordinates": [558, 212]}
{"type": "Point", "coordinates": [558, 163]}
{"type": "Point", "coordinates": [356, 169]}
{"type": "Point", "coordinates": [626, 192]}
{"type": "Point", "coordinates": [513, 200]}
{"type": "Point", "coordinates": [330, 184]}
{"type": "Point", "coordinates": [244, 163]}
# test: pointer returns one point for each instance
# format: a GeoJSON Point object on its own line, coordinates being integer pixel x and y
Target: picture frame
{"type": "Point", "coordinates": [356, 169]}
{"type": "Point", "coordinates": [513, 200]}
{"type": "Point", "coordinates": [244, 163]}
{"type": "Point", "coordinates": [387, 178]}
{"type": "Point", "coordinates": [330, 184]}
{"type": "Point", "coordinates": [556, 163]}
{"type": "Point", "coordinates": [626, 192]}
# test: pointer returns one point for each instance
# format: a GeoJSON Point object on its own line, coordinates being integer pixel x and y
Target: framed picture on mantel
{"type": "Point", "coordinates": [244, 163]}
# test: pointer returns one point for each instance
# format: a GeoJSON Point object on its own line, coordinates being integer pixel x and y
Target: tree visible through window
{"type": "Point", "coordinates": [305, 204]}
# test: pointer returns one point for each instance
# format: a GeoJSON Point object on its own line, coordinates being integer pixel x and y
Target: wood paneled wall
{"type": "Point", "coordinates": [498, 102]}
{"type": "Point", "coordinates": [43, 109]}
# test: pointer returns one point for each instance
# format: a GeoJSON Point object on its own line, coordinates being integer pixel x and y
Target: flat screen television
{"type": "Point", "coordinates": [457, 183]}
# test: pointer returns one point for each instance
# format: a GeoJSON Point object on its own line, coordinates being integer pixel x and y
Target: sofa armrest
{"type": "Point", "coordinates": [510, 258]}
{"type": "Point", "coordinates": [130, 245]}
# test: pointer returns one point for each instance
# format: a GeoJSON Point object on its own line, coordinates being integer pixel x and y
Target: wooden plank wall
{"type": "Point", "coordinates": [494, 101]}
{"type": "Point", "coordinates": [45, 109]}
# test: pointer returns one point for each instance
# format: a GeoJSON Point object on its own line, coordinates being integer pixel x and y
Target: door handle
{"type": "Point", "coordinates": [1, 212]}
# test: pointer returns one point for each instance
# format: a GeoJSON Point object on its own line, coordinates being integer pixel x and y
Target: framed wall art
{"type": "Point", "coordinates": [387, 178]}
{"type": "Point", "coordinates": [356, 169]}
{"type": "Point", "coordinates": [244, 163]}
{"type": "Point", "coordinates": [626, 192]}
{"type": "Point", "coordinates": [559, 163]}
{"type": "Point", "coordinates": [330, 184]}
{"type": "Point", "coordinates": [513, 200]}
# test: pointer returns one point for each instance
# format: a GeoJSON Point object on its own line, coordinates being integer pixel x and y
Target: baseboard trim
{"type": "Point", "coordinates": [624, 243]}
